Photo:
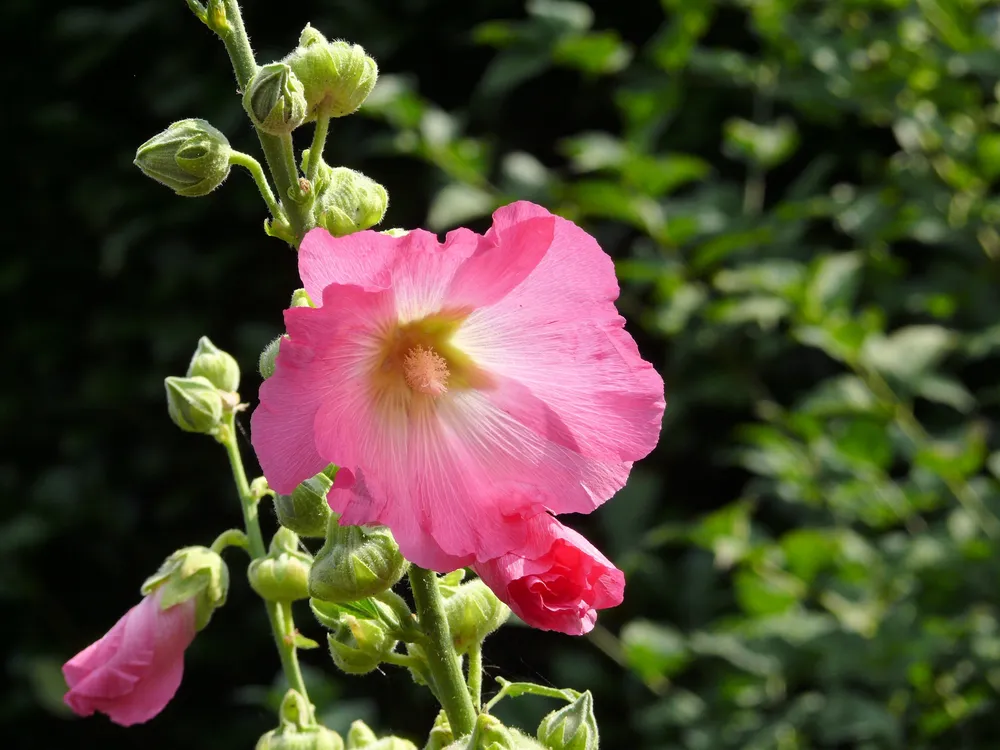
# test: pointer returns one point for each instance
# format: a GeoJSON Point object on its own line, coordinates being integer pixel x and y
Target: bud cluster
{"type": "Point", "coordinates": [198, 401]}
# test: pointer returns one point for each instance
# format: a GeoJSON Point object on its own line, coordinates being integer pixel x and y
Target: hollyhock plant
{"type": "Point", "coordinates": [557, 580]}
{"type": "Point", "coordinates": [134, 670]}
{"type": "Point", "coordinates": [462, 388]}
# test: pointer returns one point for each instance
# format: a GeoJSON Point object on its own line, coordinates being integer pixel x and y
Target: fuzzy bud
{"type": "Point", "coordinates": [336, 76]}
{"type": "Point", "coordinates": [306, 511]}
{"type": "Point", "coordinates": [275, 99]}
{"type": "Point", "coordinates": [350, 202]}
{"type": "Point", "coordinates": [218, 367]}
{"type": "Point", "coordinates": [265, 363]}
{"type": "Point", "coordinates": [572, 727]}
{"type": "Point", "coordinates": [194, 404]}
{"type": "Point", "coordinates": [191, 572]}
{"type": "Point", "coordinates": [358, 645]}
{"type": "Point", "coordinates": [301, 298]}
{"type": "Point", "coordinates": [440, 735]}
{"type": "Point", "coordinates": [297, 730]}
{"type": "Point", "coordinates": [190, 157]}
{"type": "Point", "coordinates": [490, 734]}
{"type": "Point", "coordinates": [473, 613]}
{"type": "Point", "coordinates": [355, 562]}
{"type": "Point", "coordinates": [283, 574]}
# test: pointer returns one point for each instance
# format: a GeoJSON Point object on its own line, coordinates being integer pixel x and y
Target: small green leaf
{"type": "Point", "coordinates": [455, 204]}
{"type": "Point", "coordinates": [654, 650]}
{"type": "Point", "coordinates": [767, 146]}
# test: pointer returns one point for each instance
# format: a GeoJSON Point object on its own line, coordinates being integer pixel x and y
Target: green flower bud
{"type": "Point", "coordinates": [440, 735]}
{"type": "Point", "coordinates": [275, 99]}
{"type": "Point", "coordinates": [395, 232]}
{"type": "Point", "coordinates": [350, 202]}
{"type": "Point", "coordinates": [300, 298]}
{"type": "Point", "coordinates": [190, 157]}
{"type": "Point", "coordinates": [191, 572]}
{"type": "Point", "coordinates": [265, 364]}
{"type": "Point", "coordinates": [572, 727]}
{"type": "Point", "coordinates": [336, 76]}
{"type": "Point", "coordinates": [309, 738]}
{"type": "Point", "coordinates": [297, 731]}
{"type": "Point", "coordinates": [360, 735]}
{"type": "Point", "coordinates": [358, 645]}
{"type": "Point", "coordinates": [392, 743]}
{"type": "Point", "coordinates": [217, 366]}
{"type": "Point", "coordinates": [306, 511]}
{"type": "Point", "coordinates": [490, 734]}
{"type": "Point", "coordinates": [355, 562]}
{"type": "Point", "coordinates": [283, 574]}
{"type": "Point", "coordinates": [473, 613]}
{"type": "Point", "coordinates": [194, 404]}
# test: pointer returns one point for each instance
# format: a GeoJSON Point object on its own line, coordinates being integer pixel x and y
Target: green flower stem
{"type": "Point", "coordinates": [476, 674]}
{"type": "Point", "coordinates": [442, 661]}
{"type": "Point", "coordinates": [316, 149]}
{"type": "Point", "coordinates": [253, 167]}
{"type": "Point", "coordinates": [282, 627]}
{"type": "Point", "coordinates": [280, 160]}
{"type": "Point", "coordinates": [230, 538]}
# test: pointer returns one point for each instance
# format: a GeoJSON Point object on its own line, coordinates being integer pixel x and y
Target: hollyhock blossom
{"type": "Point", "coordinates": [133, 671]}
{"type": "Point", "coordinates": [557, 581]}
{"type": "Point", "coordinates": [462, 387]}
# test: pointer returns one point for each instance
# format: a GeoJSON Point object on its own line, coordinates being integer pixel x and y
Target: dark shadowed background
{"type": "Point", "coordinates": [799, 198]}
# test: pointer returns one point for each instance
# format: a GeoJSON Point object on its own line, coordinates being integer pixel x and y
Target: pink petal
{"type": "Point", "coordinates": [566, 369]}
{"type": "Point", "coordinates": [134, 670]}
{"type": "Point", "coordinates": [557, 581]}
{"type": "Point", "coordinates": [416, 266]}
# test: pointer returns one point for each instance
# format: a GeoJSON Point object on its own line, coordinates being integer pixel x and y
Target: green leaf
{"type": "Point", "coordinates": [988, 150]}
{"type": "Point", "coordinates": [653, 650]}
{"type": "Point", "coordinates": [766, 146]}
{"type": "Point", "coordinates": [832, 285]}
{"type": "Point", "coordinates": [726, 532]}
{"type": "Point", "coordinates": [300, 641]}
{"type": "Point", "coordinates": [590, 152]}
{"type": "Point", "coordinates": [599, 52]}
{"type": "Point", "coordinates": [565, 14]}
{"type": "Point", "coordinates": [807, 552]}
{"type": "Point", "coordinates": [456, 204]}
{"type": "Point", "coordinates": [839, 395]}
{"type": "Point", "coordinates": [909, 353]}
{"type": "Point", "coordinates": [766, 592]}
{"type": "Point", "coordinates": [733, 650]}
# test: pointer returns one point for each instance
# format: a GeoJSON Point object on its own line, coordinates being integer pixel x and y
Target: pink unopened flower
{"type": "Point", "coordinates": [462, 388]}
{"type": "Point", "coordinates": [557, 581]}
{"type": "Point", "coordinates": [134, 670]}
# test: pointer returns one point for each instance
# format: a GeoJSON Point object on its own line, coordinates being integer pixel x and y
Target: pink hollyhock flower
{"type": "Point", "coordinates": [462, 388]}
{"type": "Point", "coordinates": [133, 671]}
{"type": "Point", "coordinates": [557, 581]}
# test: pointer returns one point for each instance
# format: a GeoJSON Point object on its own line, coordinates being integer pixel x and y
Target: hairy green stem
{"type": "Point", "coordinates": [316, 149]}
{"type": "Point", "coordinates": [230, 538]}
{"type": "Point", "coordinates": [282, 166]}
{"type": "Point", "coordinates": [282, 626]}
{"type": "Point", "coordinates": [442, 661]}
{"type": "Point", "coordinates": [257, 172]}
{"type": "Point", "coordinates": [476, 674]}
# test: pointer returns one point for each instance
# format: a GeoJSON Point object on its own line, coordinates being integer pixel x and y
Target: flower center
{"type": "Point", "coordinates": [426, 371]}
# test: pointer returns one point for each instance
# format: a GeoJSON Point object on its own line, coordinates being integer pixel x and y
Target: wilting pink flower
{"type": "Point", "coordinates": [557, 581]}
{"type": "Point", "coordinates": [134, 670]}
{"type": "Point", "coordinates": [462, 388]}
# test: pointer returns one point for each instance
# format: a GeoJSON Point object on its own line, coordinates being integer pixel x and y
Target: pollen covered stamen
{"type": "Point", "coordinates": [426, 371]}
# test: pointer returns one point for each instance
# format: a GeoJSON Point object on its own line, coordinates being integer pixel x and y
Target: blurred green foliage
{"type": "Point", "coordinates": [800, 199]}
